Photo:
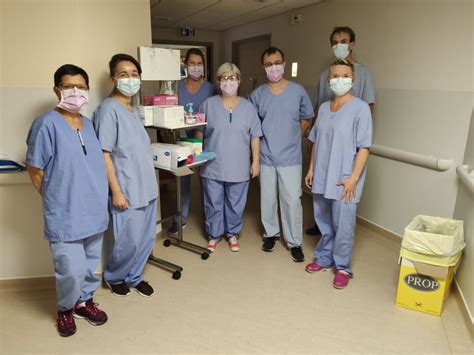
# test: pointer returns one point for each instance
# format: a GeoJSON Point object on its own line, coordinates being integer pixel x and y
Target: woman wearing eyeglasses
{"type": "Point", "coordinates": [66, 166]}
{"type": "Point", "coordinates": [233, 132]}
{"type": "Point", "coordinates": [132, 180]}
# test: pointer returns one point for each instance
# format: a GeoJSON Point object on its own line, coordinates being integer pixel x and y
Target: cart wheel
{"type": "Point", "coordinates": [167, 242]}
{"type": "Point", "coordinates": [204, 256]}
{"type": "Point", "coordinates": [176, 275]}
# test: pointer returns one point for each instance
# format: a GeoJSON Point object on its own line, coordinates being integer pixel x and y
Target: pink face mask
{"type": "Point", "coordinates": [229, 87]}
{"type": "Point", "coordinates": [73, 100]}
{"type": "Point", "coordinates": [275, 72]}
{"type": "Point", "coordinates": [195, 71]}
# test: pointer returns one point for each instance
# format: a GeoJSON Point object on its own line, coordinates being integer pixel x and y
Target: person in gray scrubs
{"type": "Point", "coordinates": [342, 41]}
{"type": "Point", "coordinates": [285, 110]}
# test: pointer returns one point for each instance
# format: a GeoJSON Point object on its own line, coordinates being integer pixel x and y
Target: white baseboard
{"type": "Point", "coordinates": [466, 306]}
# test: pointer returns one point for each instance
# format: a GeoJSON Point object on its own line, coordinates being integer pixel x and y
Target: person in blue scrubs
{"type": "Point", "coordinates": [233, 133]}
{"type": "Point", "coordinates": [194, 89]}
{"type": "Point", "coordinates": [285, 110]}
{"type": "Point", "coordinates": [132, 180]}
{"type": "Point", "coordinates": [66, 166]}
{"type": "Point", "coordinates": [342, 137]}
{"type": "Point", "coordinates": [342, 41]}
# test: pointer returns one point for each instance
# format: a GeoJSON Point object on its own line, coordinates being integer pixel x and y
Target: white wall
{"type": "Point", "coordinates": [37, 37]}
{"type": "Point", "coordinates": [421, 55]}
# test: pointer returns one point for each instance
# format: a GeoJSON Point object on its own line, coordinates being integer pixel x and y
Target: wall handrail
{"type": "Point", "coordinates": [425, 161]}
{"type": "Point", "coordinates": [466, 176]}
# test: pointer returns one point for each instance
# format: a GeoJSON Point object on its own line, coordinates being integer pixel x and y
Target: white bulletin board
{"type": "Point", "coordinates": [159, 63]}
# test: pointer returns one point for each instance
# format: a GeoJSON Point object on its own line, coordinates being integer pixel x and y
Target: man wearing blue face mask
{"type": "Point", "coordinates": [132, 182]}
{"type": "Point", "coordinates": [342, 44]}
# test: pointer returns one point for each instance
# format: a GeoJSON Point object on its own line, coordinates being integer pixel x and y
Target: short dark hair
{"type": "Point", "coordinates": [194, 51]}
{"type": "Point", "coordinates": [117, 58]}
{"type": "Point", "coordinates": [272, 50]}
{"type": "Point", "coordinates": [343, 29]}
{"type": "Point", "coordinates": [69, 69]}
{"type": "Point", "coordinates": [342, 62]}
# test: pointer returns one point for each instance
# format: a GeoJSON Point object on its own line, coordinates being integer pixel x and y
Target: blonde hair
{"type": "Point", "coordinates": [227, 67]}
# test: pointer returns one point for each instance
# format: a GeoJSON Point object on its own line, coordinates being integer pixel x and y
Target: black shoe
{"type": "Point", "coordinates": [120, 289]}
{"type": "Point", "coordinates": [297, 254]}
{"type": "Point", "coordinates": [144, 289]}
{"type": "Point", "coordinates": [91, 313]}
{"type": "Point", "coordinates": [269, 243]}
{"type": "Point", "coordinates": [314, 230]}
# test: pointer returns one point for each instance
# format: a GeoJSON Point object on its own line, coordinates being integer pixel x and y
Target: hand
{"type": "Point", "coordinates": [308, 180]}
{"type": "Point", "coordinates": [119, 201]}
{"type": "Point", "coordinates": [349, 189]}
{"type": "Point", "coordinates": [255, 169]}
{"type": "Point", "coordinates": [309, 147]}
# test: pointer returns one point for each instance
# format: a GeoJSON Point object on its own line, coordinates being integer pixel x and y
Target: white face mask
{"type": "Point", "coordinates": [340, 86]}
{"type": "Point", "coordinates": [128, 86]}
{"type": "Point", "coordinates": [340, 50]}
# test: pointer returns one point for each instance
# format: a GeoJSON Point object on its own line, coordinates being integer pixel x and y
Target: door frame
{"type": "Point", "coordinates": [235, 46]}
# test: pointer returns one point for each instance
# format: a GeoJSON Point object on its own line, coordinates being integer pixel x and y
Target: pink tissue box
{"type": "Point", "coordinates": [200, 117]}
{"type": "Point", "coordinates": [160, 100]}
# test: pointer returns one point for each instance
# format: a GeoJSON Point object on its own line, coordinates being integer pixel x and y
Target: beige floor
{"type": "Point", "coordinates": [246, 302]}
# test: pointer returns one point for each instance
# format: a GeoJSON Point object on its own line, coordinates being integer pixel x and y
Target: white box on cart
{"type": "Point", "coordinates": [168, 116]}
{"type": "Point", "coordinates": [146, 114]}
{"type": "Point", "coordinates": [169, 156]}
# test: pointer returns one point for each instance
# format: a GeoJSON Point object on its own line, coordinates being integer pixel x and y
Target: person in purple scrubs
{"type": "Point", "coordinates": [342, 137]}
{"type": "Point", "coordinates": [233, 133]}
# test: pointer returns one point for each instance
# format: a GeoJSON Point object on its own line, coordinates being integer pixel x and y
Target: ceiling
{"type": "Point", "coordinates": [218, 15]}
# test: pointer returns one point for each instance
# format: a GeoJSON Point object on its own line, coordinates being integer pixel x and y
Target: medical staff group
{"type": "Point", "coordinates": [98, 175]}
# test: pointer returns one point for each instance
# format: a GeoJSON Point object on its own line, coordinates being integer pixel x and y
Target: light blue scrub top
{"type": "Point", "coordinates": [74, 186]}
{"type": "Point", "coordinates": [337, 137]}
{"type": "Point", "coordinates": [230, 140]}
{"type": "Point", "coordinates": [281, 116]}
{"type": "Point", "coordinates": [185, 97]}
{"type": "Point", "coordinates": [363, 85]}
{"type": "Point", "coordinates": [121, 133]}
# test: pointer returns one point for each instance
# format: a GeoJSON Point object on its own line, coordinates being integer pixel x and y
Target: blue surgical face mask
{"type": "Point", "coordinates": [128, 86]}
{"type": "Point", "coordinates": [340, 50]}
{"type": "Point", "coordinates": [340, 86]}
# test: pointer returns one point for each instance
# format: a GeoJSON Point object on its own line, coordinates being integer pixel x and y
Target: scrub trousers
{"type": "Point", "coordinates": [224, 204]}
{"type": "Point", "coordinates": [336, 221]}
{"type": "Point", "coordinates": [134, 235]}
{"type": "Point", "coordinates": [74, 266]}
{"type": "Point", "coordinates": [282, 184]}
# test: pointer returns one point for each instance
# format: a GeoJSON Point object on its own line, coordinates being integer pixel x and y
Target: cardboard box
{"type": "Point", "coordinates": [168, 116]}
{"type": "Point", "coordinates": [170, 156]}
{"type": "Point", "coordinates": [146, 114]}
{"type": "Point", "coordinates": [424, 287]}
{"type": "Point", "coordinates": [160, 100]}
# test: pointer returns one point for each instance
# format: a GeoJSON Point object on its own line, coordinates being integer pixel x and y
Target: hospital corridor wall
{"type": "Point", "coordinates": [420, 55]}
{"type": "Point", "coordinates": [37, 38]}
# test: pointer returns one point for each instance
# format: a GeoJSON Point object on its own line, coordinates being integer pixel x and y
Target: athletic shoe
{"type": "Point", "coordinates": [341, 279]}
{"type": "Point", "coordinates": [269, 243]}
{"type": "Point", "coordinates": [297, 254]}
{"type": "Point", "coordinates": [91, 313]}
{"type": "Point", "coordinates": [144, 289]}
{"type": "Point", "coordinates": [65, 323]}
{"type": "Point", "coordinates": [212, 245]}
{"type": "Point", "coordinates": [314, 230]}
{"type": "Point", "coordinates": [121, 289]}
{"type": "Point", "coordinates": [173, 230]}
{"type": "Point", "coordinates": [233, 243]}
{"type": "Point", "coordinates": [315, 267]}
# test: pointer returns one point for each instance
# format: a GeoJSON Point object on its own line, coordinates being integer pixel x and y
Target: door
{"type": "Point", "coordinates": [246, 55]}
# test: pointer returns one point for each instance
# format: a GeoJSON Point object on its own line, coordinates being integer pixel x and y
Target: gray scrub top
{"type": "Point", "coordinates": [363, 85]}
{"type": "Point", "coordinates": [229, 139]}
{"type": "Point", "coordinates": [337, 137]}
{"type": "Point", "coordinates": [121, 133]}
{"type": "Point", "coordinates": [281, 116]}
{"type": "Point", "coordinates": [74, 186]}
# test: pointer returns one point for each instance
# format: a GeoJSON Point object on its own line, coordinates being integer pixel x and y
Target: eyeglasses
{"type": "Point", "coordinates": [229, 78]}
{"type": "Point", "coordinates": [72, 86]}
{"type": "Point", "coordinates": [268, 65]}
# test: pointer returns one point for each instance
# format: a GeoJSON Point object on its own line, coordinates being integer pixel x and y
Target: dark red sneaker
{"type": "Point", "coordinates": [66, 324]}
{"type": "Point", "coordinates": [91, 313]}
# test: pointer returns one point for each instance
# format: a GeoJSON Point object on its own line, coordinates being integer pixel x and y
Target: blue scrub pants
{"type": "Point", "coordinates": [282, 184]}
{"type": "Point", "coordinates": [74, 266]}
{"type": "Point", "coordinates": [133, 240]}
{"type": "Point", "coordinates": [336, 221]}
{"type": "Point", "coordinates": [224, 204]}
